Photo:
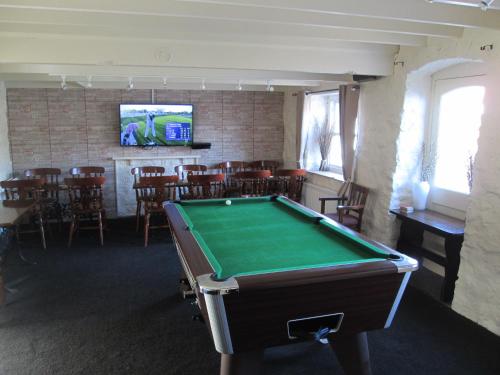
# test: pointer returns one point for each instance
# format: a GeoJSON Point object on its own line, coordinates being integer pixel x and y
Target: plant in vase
{"type": "Point", "coordinates": [324, 134]}
{"type": "Point", "coordinates": [422, 188]}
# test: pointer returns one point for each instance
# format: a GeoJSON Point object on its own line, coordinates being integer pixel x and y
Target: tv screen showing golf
{"type": "Point", "coordinates": [156, 124]}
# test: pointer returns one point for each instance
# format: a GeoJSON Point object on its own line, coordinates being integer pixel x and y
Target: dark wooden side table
{"type": "Point", "coordinates": [411, 236]}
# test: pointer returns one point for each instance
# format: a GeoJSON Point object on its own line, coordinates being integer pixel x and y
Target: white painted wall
{"type": "Point", "coordinates": [384, 126]}
{"type": "Point", "coordinates": [5, 160]}
{"type": "Point", "coordinates": [389, 118]}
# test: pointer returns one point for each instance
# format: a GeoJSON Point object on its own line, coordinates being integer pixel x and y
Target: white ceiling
{"type": "Point", "coordinates": [223, 42]}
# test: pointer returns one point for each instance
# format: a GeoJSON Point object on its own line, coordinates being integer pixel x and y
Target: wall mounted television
{"type": "Point", "coordinates": [156, 124]}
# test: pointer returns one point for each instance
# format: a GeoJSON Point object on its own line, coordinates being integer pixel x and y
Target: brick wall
{"type": "Point", "coordinates": [77, 127]}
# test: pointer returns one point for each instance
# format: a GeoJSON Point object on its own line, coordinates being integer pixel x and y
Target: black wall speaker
{"type": "Point", "coordinates": [363, 78]}
{"type": "Point", "coordinates": [201, 146]}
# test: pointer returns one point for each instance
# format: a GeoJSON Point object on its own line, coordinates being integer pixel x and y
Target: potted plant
{"type": "Point", "coordinates": [422, 187]}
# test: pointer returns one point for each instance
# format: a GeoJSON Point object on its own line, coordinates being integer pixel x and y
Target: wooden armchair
{"type": "Point", "coordinates": [252, 183]}
{"type": "Point", "coordinates": [349, 213]}
{"type": "Point", "coordinates": [205, 186]}
{"type": "Point", "coordinates": [50, 194]}
{"type": "Point", "coordinates": [153, 191]}
{"type": "Point", "coordinates": [289, 182]}
{"type": "Point", "coordinates": [27, 190]}
{"type": "Point", "coordinates": [138, 173]}
{"type": "Point", "coordinates": [86, 203]}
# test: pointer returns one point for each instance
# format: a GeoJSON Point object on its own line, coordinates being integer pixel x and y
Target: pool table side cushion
{"type": "Point", "coordinates": [359, 250]}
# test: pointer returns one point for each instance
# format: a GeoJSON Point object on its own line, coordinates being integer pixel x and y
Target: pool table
{"type": "Point", "coordinates": [267, 271]}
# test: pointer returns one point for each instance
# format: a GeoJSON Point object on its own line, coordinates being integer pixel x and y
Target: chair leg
{"type": "Point", "coordinates": [146, 228]}
{"type": "Point", "coordinates": [42, 232]}
{"type": "Point", "coordinates": [71, 230]}
{"type": "Point", "coordinates": [101, 234]}
{"type": "Point", "coordinates": [138, 216]}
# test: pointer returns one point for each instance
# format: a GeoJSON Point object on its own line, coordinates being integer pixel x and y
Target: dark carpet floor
{"type": "Point", "coordinates": [116, 310]}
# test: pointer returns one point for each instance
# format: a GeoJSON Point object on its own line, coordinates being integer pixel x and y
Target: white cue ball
{"type": "Point", "coordinates": [228, 202]}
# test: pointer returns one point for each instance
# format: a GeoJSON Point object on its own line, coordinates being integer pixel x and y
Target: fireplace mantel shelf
{"type": "Point", "coordinates": [163, 157]}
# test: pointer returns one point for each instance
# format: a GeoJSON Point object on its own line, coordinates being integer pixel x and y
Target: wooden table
{"type": "Point", "coordinates": [410, 241]}
{"type": "Point", "coordinates": [11, 212]}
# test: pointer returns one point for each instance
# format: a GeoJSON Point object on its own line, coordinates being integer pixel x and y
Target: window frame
{"type": "Point", "coordinates": [442, 200]}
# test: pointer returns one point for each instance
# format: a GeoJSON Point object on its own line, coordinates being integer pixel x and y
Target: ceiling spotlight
{"type": "Point", "coordinates": [89, 82]}
{"type": "Point", "coordinates": [130, 85]}
{"type": "Point", "coordinates": [270, 88]}
{"type": "Point", "coordinates": [485, 4]}
{"type": "Point", "coordinates": [164, 81]}
{"type": "Point", "coordinates": [64, 86]}
{"type": "Point", "coordinates": [203, 86]}
{"type": "Point", "coordinates": [239, 86]}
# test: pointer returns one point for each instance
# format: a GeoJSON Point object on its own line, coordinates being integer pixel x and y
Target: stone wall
{"type": "Point", "coordinates": [391, 123]}
{"type": "Point", "coordinates": [391, 128]}
{"type": "Point", "coordinates": [77, 127]}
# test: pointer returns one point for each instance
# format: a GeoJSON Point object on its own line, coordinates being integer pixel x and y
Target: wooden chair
{"type": "Point", "coordinates": [351, 213]}
{"type": "Point", "coordinates": [138, 173]}
{"type": "Point", "coordinates": [27, 190]}
{"type": "Point", "coordinates": [252, 183]}
{"type": "Point", "coordinates": [340, 198]}
{"type": "Point", "coordinates": [289, 182]}
{"type": "Point", "coordinates": [153, 191]}
{"type": "Point", "coordinates": [260, 165]}
{"type": "Point", "coordinates": [86, 203]}
{"type": "Point", "coordinates": [205, 186]}
{"type": "Point", "coordinates": [229, 168]}
{"type": "Point", "coordinates": [185, 170]}
{"type": "Point", "coordinates": [87, 172]}
{"type": "Point", "coordinates": [50, 194]}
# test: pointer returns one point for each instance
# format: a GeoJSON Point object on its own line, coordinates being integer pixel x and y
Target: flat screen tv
{"type": "Point", "coordinates": [156, 124]}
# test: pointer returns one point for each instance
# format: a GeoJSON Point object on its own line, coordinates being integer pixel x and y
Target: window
{"type": "Point", "coordinates": [324, 111]}
{"type": "Point", "coordinates": [456, 119]}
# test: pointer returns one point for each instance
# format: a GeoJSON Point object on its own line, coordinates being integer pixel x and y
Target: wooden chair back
{"type": "Point", "coordinates": [91, 171]}
{"type": "Point", "coordinates": [146, 171]}
{"type": "Point", "coordinates": [155, 190]}
{"type": "Point", "coordinates": [206, 186]}
{"type": "Point", "coordinates": [51, 176]}
{"type": "Point", "coordinates": [357, 195]}
{"type": "Point", "coordinates": [354, 207]}
{"type": "Point", "coordinates": [253, 183]}
{"type": "Point", "coordinates": [270, 165]}
{"type": "Point", "coordinates": [23, 189]}
{"type": "Point", "coordinates": [290, 183]}
{"type": "Point", "coordinates": [85, 193]}
{"type": "Point", "coordinates": [185, 170]}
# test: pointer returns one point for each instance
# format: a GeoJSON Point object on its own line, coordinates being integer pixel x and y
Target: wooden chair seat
{"type": "Point", "coordinates": [350, 211]}
{"type": "Point", "coordinates": [347, 220]}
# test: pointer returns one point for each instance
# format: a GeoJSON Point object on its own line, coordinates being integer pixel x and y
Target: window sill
{"type": "Point", "coordinates": [332, 175]}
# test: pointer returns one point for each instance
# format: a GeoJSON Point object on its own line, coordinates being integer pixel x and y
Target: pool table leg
{"type": "Point", "coordinates": [245, 363]}
{"type": "Point", "coordinates": [353, 353]}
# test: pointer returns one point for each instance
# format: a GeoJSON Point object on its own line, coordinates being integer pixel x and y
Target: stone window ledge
{"type": "Point", "coordinates": [327, 174]}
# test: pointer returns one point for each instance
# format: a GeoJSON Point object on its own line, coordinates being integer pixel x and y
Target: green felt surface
{"type": "Point", "coordinates": [258, 235]}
